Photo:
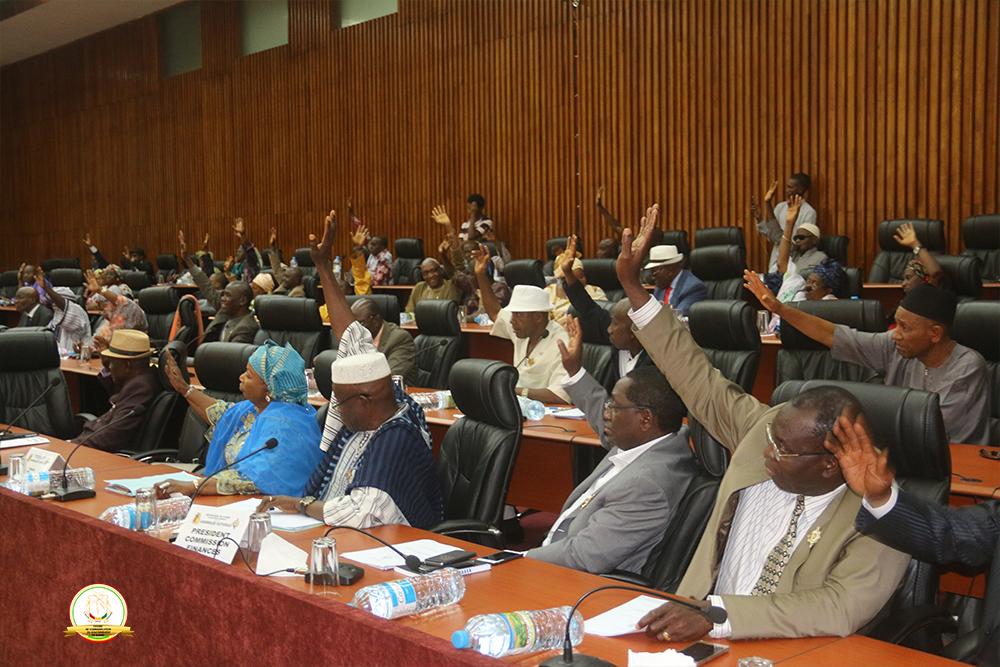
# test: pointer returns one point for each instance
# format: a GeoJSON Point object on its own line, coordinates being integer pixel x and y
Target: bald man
{"type": "Point", "coordinates": [33, 313]}
{"type": "Point", "coordinates": [389, 339]}
{"type": "Point", "coordinates": [433, 286]}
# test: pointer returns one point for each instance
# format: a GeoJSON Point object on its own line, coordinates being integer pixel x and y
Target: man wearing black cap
{"type": "Point", "coordinates": [919, 353]}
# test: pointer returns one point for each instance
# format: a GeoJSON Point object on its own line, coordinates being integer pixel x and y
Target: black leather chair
{"type": "Point", "coordinates": [835, 247]}
{"type": "Point", "coordinates": [160, 306]}
{"type": "Point", "coordinates": [852, 286]}
{"type": "Point", "coordinates": [71, 278]}
{"type": "Point", "coordinates": [439, 342]}
{"type": "Point", "coordinates": [601, 272]}
{"type": "Point", "coordinates": [977, 325]}
{"type": "Point", "coordinates": [409, 255]}
{"type": "Point", "coordinates": [553, 245]}
{"type": "Point", "coordinates": [218, 366]}
{"type": "Point", "coordinates": [8, 284]}
{"type": "Point", "coordinates": [304, 261]}
{"type": "Point", "coordinates": [478, 452]}
{"type": "Point", "coordinates": [597, 359]}
{"type": "Point", "coordinates": [387, 304]}
{"type": "Point", "coordinates": [720, 267]}
{"type": "Point", "coordinates": [163, 417]}
{"type": "Point", "coordinates": [908, 422]}
{"type": "Point", "coordinates": [29, 363]}
{"type": "Point", "coordinates": [165, 266]}
{"type": "Point", "coordinates": [136, 280]}
{"type": "Point", "coordinates": [679, 239]}
{"type": "Point", "coordinates": [962, 275]}
{"type": "Point", "coordinates": [60, 263]}
{"type": "Point", "coordinates": [711, 236]}
{"type": "Point", "coordinates": [981, 238]}
{"type": "Point", "coordinates": [891, 261]}
{"type": "Point", "coordinates": [312, 288]}
{"type": "Point", "coordinates": [324, 381]}
{"type": "Point", "coordinates": [524, 272]}
{"type": "Point", "coordinates": [294, 320]}
{"type": "Point", "coordinates": [802, 358]}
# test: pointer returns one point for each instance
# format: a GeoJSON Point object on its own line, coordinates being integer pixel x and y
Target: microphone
{"type": "Point", "coordinates": [412, 562]}
{"type": "Point", "coordinates": [714, 614]}
{"type": "Point", "coordinates": [270, 444]}
{"type": "Point", "coordinates": [6, 434]}
{"type": "Point", "coordinates": [348, 573]}
{"type": "Point", "coordinates": [77, 492]}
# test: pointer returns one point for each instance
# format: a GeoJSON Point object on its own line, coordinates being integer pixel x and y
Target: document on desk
{"type": "Point", "coordinates": [25, 440]}
{"type": "Point", "coordinates": [277, 553]}
{"type": "Point", "coordinates": [292, 523]}
{"type": "Point", "coordinates": [385, 558]}
{"type": "Point", "coordinates": [128, 487]}
{"type": "Point", "coordinates": [566, 413]}
{"type": "Point", "coordinates": [622, 619]}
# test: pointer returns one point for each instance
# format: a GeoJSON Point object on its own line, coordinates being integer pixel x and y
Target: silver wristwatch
{"type": "Point", "coordinates": [304, 503]}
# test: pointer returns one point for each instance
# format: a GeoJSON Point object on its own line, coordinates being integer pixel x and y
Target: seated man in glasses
{"type": "Point", "coordinates": [780, 552]}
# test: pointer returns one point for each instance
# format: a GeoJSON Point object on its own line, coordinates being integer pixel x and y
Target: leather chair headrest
{"type": "Point", "coordinates": [277, 312]}
{"type": "Point", "coordinates": [219, 365]}
{"type": "Point", "coordinates": [158, 300]}
{"type": "Point", "coordinates": [136, 280]}
{"type": "Point", "coordinates": [977, 325]}
{"type": "Point", "coordinates": [711, 236]}
{"type": "Point", "coordinates": [981, 232]}
{"type": "Point", "coordinates": [717, 262]}
{"type": "Point", "coordinates": [60, 263]}
{"type": "Point", "coordinates": [437, 318]}
{"type": "Point", "coordinates": [321, 371]}
{"type": "Point", "coordinates": [724, 325]}
{"type": "Point", "coordinates": [963, 274]}
{"type": "Point", "coordinates": [835, 246]}
{"type": "Point", "coordinates": [387, 304]}
{"type": "Point", "coordinates": [302, 257]}
{"type": "Point", "coordinates": [524, 272]}
{"type": "Point", "coordinates": [929, 232]}
{"type": "Point", "coordinates": [860, 314]}
{"type": "Point", "coordinates": [8, 279]}
{"type": "Point", "coordinates": [553, 245]}
{"type": "Point", "coordinates": [601, 272]}
{"type": "Point", "coordinates": [167, 262]}
{"type": "Point", "coordinates": [65, 277]}
{"type": "Point", "coordinates": [677, 238]}
{"type": "Point", "coordinates": [484, 391]}
{"type": "Point", "coordinates": [907, 421]}
{"type": "Point", "coordinates": [409, 248]}
{"type": "Point", "coordinates": [28, 349]}
{"type": "Point", "coordinates": [179, 351]}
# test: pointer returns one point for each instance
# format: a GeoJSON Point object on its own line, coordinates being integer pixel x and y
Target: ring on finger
{"type": "Point", "coordinates": [665, 636]}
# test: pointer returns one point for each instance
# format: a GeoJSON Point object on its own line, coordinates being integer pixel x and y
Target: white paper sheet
{"type": "Point", "coordinates": [292, 522]}
{"type": "Point", "coordinates": [622, 619]}
{"type": "Point", "coordinates": [24, 441]}
{"type": "Point", "coordinates": [384, 558]}
{"type": "Point", "coordinates": [128, 487]}
{"type": "Point", "coordinates": [567, 413]}
{"type": "Point", "coordinates": [277, 553]}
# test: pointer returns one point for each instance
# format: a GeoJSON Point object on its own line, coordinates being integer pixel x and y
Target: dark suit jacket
{"type": "Point", "coordinates": [41, 318]}
{"type": "Point", "coordinates": [135, 394]}
{"type": "Point", "coordinates": [964, 538]}
{"type": "Point", "coordinates": [594, 319]}
{"type": "Point", "coordinates": [238, 330]}
{"type": "Point", "coordinates": [689, 291]}
{"type": "Point", "coordinates": [400, 351]}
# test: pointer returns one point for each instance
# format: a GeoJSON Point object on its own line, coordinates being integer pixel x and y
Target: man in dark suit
{"type": "Point", "coordinates": [234, 323]}
{"type": "Point", "coordinates": [963, 538]}
{"type": "Point", "coordinates": [33, 313]}
{"type": "Point", "coordinates": [395, 343]}
{"type": "Point", "coordinates": [675, 285]}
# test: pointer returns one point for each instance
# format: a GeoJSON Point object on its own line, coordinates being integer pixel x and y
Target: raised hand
{"type": "Point", "coordinates": [273, 238]}
{"type": "Point", "coordinates": [753, 283]}
{"type": "Point", "coordinates": [634, 247]}
{"type": "Point", "coordinates": [440, 215]}
{"type": "Point", "coordinates": [360, 235]}
{"type": "Point", "coordinates": [39, 276]}
{"type": "Point", "coordinates": [173, 373]}
{"type": "Point", "coordinates": [600, 196]}
{"type": "Point", "coordinates": [239, 227]}
{"type": "Point", "coordinates": [320, 250]}
{"type": "Point", "coordinates": [92, 285]}
{"type": "Point", "coordinates": [906, 236]}
{"type": "Point", "coordinates": [126, 252]}
{"type": "Point", "coordinates": [572, 351]}
{"type": "Point", "coordinates": [227, 266]}
{"type": "Point", "coordinates": [769, 195]}
{"type": "Point", "coordinates": [181, 245]}
{"type": "Point", "coordinates": [481, 255]}
{"type": "Point", "coordinates": [792, 214]}
{"type": "Point", "coordinates": [865, 469]}
{"type": "Point", "coordinates": [444, 247]}
{"type": "Point", "coordinates": [86, 239]}
{"type": "Point", "coordinates": [754, 210]}
{"type": "Point", "coordinates": [569, 256]}
{"type": "Point", "coordinates": [204, 243]}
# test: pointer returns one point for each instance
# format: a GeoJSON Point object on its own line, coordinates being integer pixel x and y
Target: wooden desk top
{"type": "Point", "coordinates": [966, 462]}
{"type": "Point", "coordinates": [516, 585]}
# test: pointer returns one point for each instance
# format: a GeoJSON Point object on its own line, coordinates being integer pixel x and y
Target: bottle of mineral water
{"type": "Point", "coordinates": [531, 409]}
{"type": "Point", "coordinates": [337, 267]}
{"type": "Point", "coordinates": [515, 632]}
{"type": "Point", "coordinates": [403, 597]}
{"type": "Point", "coordinates": [169, 511]}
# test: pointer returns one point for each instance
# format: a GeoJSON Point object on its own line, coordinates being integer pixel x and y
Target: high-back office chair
{"type": "Point", "coordinates": [601, 272]}
{"type": "Point", "coordinates": [524, 272]}
{"type": "Point", "coordinates": [136, 280]}
{"type": "Point", "coordinates": [8, 284]}
{"type": "Point", "coordinates": [679, 239]}
{"type": "Point", "coordinates": [160, 306]}
{"type": "Point", "coordinates": [891, 261]}
{"type": "Point", "coordinates": [720, 267]}
{"type": "Point", "coordinates": [409, 255]}
{"type": "Point", "coordinates": [802, 358]}
{"type": "Point", "coordinates": [962, 275]}
{"type": "Point", "coordinates": [387, 304]}
{"type": "Point", "coordinates": [71, 278]}
{"type": "Point", "coordinates": [163, 417]}
{"type": "Point", "coordinates": [478, 452]}
{"type": "Point", "coordinates": [553, 247]}
{"type": "Point", "coordinates": [981, 238]}
{"type": "Point", "coordinates": [977, 325]}
{"type": "Point", "coordinates": [852, 286]}
{"type": "Point", "coordinates": [165, 266]}
{"type": "Point", "coordinates": [835, 247]}
{"type": "Point", "coordinates": [324, 381]}
{"type": "Point", "coordinates": [60, 263]}
{"type": "Point", "coordinates": [712, 236]}
{"type": "Point", "coordinates": [304, 261]}
{"type": "Point", "coordinates": [439, 342]}
{"type": "Point", "coordinates": [29, 364]}
{"type": "Point", "coordinates": [294, 320]}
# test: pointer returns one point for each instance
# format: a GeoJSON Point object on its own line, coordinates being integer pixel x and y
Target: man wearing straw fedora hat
{"type": "Point", "coordinates": [133, 387]}
{"type": "Point", "coordinates": [675, 285]}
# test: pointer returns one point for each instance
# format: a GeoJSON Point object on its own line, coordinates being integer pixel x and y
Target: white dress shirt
{"type": "Point", "coordinates": [542, 369]}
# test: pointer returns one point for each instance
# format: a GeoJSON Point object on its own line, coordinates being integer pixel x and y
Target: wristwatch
{"type": "Point", "coordinates": [304, 503]}
{"type": "Point", "coordinates": [917, 249]}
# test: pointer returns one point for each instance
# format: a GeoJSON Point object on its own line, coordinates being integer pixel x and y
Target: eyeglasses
{"type": "Point", "coordinates": [610, 407]}
{"type": "Point", "coordinates": [799, 237]}
{"type": "Point", "coordinates": [778, 454]}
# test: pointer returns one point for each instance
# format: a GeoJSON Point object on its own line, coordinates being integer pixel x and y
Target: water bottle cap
{"type": "Point", "coordinates": [461, 639]}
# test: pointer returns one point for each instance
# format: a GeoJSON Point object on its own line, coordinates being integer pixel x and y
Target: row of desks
{"type": "Point", "coordinates": [160, 628]}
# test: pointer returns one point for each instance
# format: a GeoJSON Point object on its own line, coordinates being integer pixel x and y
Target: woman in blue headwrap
{"type": "Point", "coordinates": [274, 385]}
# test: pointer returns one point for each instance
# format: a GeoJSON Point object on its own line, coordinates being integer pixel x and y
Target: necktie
{"type": "Point", "coordinates": [776, 561]}
{"type": "Point", "coordinates": [666, 295]}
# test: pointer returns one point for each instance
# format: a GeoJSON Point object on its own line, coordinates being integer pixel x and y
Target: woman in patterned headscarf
{"type": "Point", "coordinates": [276, 406]}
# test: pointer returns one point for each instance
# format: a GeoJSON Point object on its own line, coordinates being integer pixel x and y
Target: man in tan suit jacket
{"type": "Point", "coordinates": [820, 578]}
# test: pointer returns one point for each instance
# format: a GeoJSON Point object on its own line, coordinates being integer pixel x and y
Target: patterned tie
{"type": "Point", "coordinates": [776, 561]}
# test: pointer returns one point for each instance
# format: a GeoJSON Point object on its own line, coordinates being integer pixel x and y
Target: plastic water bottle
{"type": "Point", "coordinates": [403, 597]}
{"type": "Point", "coordinates": [337, 270]}
{"type": "Point", "coordinates": [515, 632]}
{"type": "Point", "coordinates": [531, 409]}
{"type": "Point", "coordinates": [35, 483]}
{"type": "Point", "coordinates": [294, 262]}
{"type": "Point", "coordinates": [169, 511]}
{"type": "Point", "coordinates": [483, 320]}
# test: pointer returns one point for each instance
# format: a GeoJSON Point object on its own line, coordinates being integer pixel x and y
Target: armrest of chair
{"type": "Point", "coordinates": [155, 455]}
{"type": "Point", "coordinates": [460, 527]}
{"type": "Point", "coordinates": [84, 417]}
{"type": "Point", "coordinates": [629, 578]}
{"type": "Point", "coordinates": [902, 625]}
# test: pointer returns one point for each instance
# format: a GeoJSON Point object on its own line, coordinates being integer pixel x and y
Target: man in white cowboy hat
{"type": "Point", "coordinates": [134, 386]}
{"type": "Point", "coordinates": [675, 285]}
{"type": "Point", "coordinates": [525, 322]}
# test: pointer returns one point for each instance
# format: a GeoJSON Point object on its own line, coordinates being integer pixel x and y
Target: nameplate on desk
{"type": "Point", "coordinates": [42, 460]}
{"type": "Point", "coordinates": [23, 440]}
{"type": "Point", "coordinates": [205, 526]}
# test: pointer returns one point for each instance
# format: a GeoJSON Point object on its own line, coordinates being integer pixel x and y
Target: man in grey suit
{"type": "Point", "coordinates": [234, 323]}
{"type": "Point", "coordinates": [615, 517]}
{"type": "Point", "coordinates": [394, 342]}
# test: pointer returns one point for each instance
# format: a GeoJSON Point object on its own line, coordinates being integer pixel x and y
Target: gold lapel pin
{"type": "Point", "coordinates": [814, 536]}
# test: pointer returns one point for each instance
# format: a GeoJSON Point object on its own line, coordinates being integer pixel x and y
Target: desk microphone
{"type": "Point", "coordinates": [77, 492]}
{"type": "Point", "coordinates": [270, 444]}
{"type": "Point", "coordinates": [714, 614]}
{"type": "Point", "coordinates": [6, 434]}
{"type": "Point", "coordinates": [412, 562]}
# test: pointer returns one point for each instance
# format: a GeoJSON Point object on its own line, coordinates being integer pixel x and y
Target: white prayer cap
{"type": "Point", "coordinates": [808, 227]}
{"type": "Point", "coordinates": [360, 368]}
{"type": "Point", "coordinates": [528, 299]}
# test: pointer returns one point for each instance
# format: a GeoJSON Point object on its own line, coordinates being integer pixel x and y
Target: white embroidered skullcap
{"type": "Point", "coordinates": [360, 368]}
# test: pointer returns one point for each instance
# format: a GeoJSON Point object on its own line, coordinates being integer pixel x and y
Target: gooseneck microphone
{"type": "Point", "coordinates": [412, 562]}
{"type": "Point", "coordinates": [76, 492]}
{"type": "Point", "coordinates": [6, 434]}
{"type": "Point", "coordinates": [270, 444]}
{"type": "Point", "coordinates": [712, 613]}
